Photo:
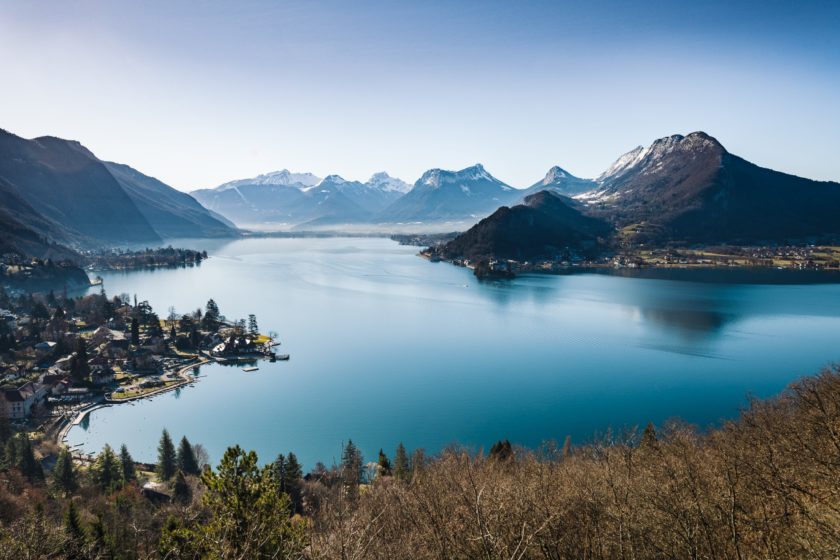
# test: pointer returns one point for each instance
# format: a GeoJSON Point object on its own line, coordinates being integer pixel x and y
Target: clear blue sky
{"type": "Point", "coordinates": [197, 93]}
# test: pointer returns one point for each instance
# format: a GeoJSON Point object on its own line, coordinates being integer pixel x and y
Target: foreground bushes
{"type": "Point", "coordinates": [766, 485]}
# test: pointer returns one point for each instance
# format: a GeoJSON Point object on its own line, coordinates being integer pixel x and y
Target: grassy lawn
{"type": "Point", "coordinates": [139, 391]}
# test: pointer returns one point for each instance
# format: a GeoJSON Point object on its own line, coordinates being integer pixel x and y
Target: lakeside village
{"type": "Point", "coordinates": [810, 257]}
{"type": "Point", "coordinates": [61, 356]}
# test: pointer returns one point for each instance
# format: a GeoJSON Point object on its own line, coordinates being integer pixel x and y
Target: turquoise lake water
{"type": "Point", "coordinates": [388, 347]}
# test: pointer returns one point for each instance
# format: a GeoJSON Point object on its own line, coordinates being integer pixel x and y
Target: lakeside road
{"type": "Point", "coordinates": [182, 372]}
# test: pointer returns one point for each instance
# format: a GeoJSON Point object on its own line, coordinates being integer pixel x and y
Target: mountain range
{"type": "Point", "coordinates": [680, 190]}
{"type": "Point", "coordinates": [304, 201]}
{"type": "Point", "coordinates": [57, 195]}
{"type": "Point", "coordinates": [690, 189]}
{"type": "Point", "coordinates": [291, 199]}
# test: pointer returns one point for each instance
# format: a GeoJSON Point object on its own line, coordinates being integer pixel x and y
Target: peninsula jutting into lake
{"type": "Point", "coordinates": [494, 280]}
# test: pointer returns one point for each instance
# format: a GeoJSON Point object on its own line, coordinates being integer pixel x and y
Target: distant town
{"type": "Point", "coordinates": [793, 257]}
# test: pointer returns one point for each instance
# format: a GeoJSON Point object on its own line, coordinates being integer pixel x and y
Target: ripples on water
{"type": "Point", "coordinates": [388, 347]}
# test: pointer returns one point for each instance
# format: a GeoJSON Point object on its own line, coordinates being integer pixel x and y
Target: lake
{"type": "Point", "coordinates": [388, 347]}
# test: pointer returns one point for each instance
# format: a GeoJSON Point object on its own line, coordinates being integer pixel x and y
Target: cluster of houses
{"type": "Point", "coordinates": [26, 392]}
{"type": "Point", "coordinates": [233, 345]}
{"type": "Point", "coordinates": [43, 371]}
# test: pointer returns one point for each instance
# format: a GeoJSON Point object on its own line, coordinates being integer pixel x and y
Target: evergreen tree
{"type": "Point", "coordinates": [195, 337]}
{"type": "Point", "coordinates": [100, 541]}
{"type": "Point", "coordinates": [154, 328]}
{"type": "Point", "coordinates": [5, 430]}
{"type": "Point", "coordinates": [649, 440]}
{"type": "Point", "coordinates": [107, 470]}
{"type": "Point", "coordinates": [186, 457]}
{"type": "Point", "coordinates": [172, 334]}
{"type": "Point", "coordinates": [501, 451]}
{"type": "Point", "coordinates": [79, 368]}
{"type": "Point", "coordinates": [75, 533]}
{"type": "Point", "coordinates": [278, 470]}
{"type": "Point", "coordinates": [384, 464]}
{"type": "Point", "coordinates": [401, 469]}
{"type": "Point", "coordinates": [135, 332]}
{"type": "Point", "coordinates": [351, 468]}
{"type": "Point", "coordinates": [211, 318]}
{"type": "Point", "coordinates": [129, 471]}
{"type": "Point", "coordinates": [249, 516]}
{"type": "Point", "coordinates": [167, 460]}
{"type": "Point", "coordinates": [40, 312]}
{"type": "Point", "coordinates": [181, 492]}
{"type": "Point", "coordinates": [10, 454]}
{"type": "Point", "coordinates": [5, 439]}
{"type": "Point", "coordinates": [253, 329]}
{"type": "Point", "coordinates": [294, 471]}
{"type": "Point", "coordinates": [64, 474]}
{"type": "Point", "coordinates": [294, 480]}
{"type": "Point", "coordinates": [26, 461]}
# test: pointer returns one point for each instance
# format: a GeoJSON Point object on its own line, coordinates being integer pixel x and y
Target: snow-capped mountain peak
{"type": "Point", "coordinates": [554, 175]}
{"type": "Point", "coordinates": [648, 158]}
{"type": "Point", "coordinates": [385, 182]}
{"type": "Point", "coordinates": [436, 177]}
{"type": "Point", "coordinates": [333, 179]}
{"type": "Point", "coordinates": [623, 163]}
{"type": "Point", "coordinates": [283, 177]}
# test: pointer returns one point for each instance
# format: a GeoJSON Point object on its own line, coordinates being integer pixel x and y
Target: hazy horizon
{"type": "Point", "coordinates": [200, 96]}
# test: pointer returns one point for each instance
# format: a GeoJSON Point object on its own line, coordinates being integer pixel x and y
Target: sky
{"type": "Point", "coordinates": [199, 93]}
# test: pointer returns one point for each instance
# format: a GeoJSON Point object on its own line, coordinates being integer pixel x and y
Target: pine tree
{"type": "Point", "coordinates": [135, 332]}
{"type": "Point", "coordinates": [181, 492]}
{"type": "Point", "coordinates": [384, 464]}
{"type": "Point", "coordinates": [649, 440]}
{"type": "Point", "coordinates": [294, 472]}
{"type": "Point", "coordinates": [401, 469]}
{"type": "Point", "coordinates": [501, 451]}
{"type": "Point", "coordinates": [211, 318]}
{"type": "Point", "coordinates": [26, 461]}
{"type": "Point", "coordinates": [278, 470]}
{"type": "Point", "coordinates": [167, 460]}
{"type": "Point", "coordinates": [186, 458]}
{"type": "Point", "coordinates": [10, 453]}
{"type": "Point", "coordinates": [79, 368]}
{"type": "Point", "coordinates": [294, 479]}
{"type": "Point", "coordinates": [5, 430]}
{"type": "Point", "coordinates": [64, 474]}
{"type": "Point", "coordinates": [253, 329]}
{"type": "Point", "coordinates": [107, 470]}
{"type": "Point", "coordinates": [351, 468]}
{"type": "Point", "coordinates": [100, 541]}
{"type": "Point", "coordinates": [75, 533]}
{"type": "Point", "coordinates": [248, 515]}
{"type": "Point", "coordinates": [129, 471]}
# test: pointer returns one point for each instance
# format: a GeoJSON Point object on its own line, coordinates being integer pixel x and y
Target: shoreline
{"type": "Point", "coordinates": [61, 435]}
{"type": "Point", "coordinates": [597, 267]}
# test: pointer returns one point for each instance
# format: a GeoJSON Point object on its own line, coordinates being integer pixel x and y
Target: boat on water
{"type": "Point", "coordinates": [283, 357]}
{"type": "Point", "coordinates": [250, 369]}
